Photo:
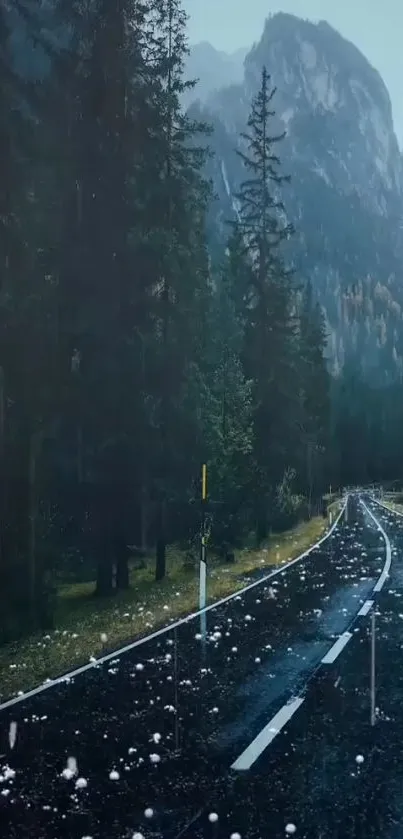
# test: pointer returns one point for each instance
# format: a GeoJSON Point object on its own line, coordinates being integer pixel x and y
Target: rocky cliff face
{"type": "Point", "coordinates": [329, 93]}
{"type": "Point", "coordinates": [346, 192]}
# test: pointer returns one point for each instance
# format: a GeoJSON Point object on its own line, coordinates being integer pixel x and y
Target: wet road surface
{"type": "Point", "coordinates": [154, 733]}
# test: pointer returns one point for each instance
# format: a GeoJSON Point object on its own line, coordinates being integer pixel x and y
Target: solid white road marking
{"type": "Point", "coordinates": [365, 608]}
{"type": "Point", "coordinates": [266, 735]}
{"type": "Point", "coordinates": [337, 648]}
{"type": "Point", "coordinates": [388, 509]}
{"type": "Point", "coordinates": [388, 561]}
{"type": "Point", "coordinates": [117, 653]}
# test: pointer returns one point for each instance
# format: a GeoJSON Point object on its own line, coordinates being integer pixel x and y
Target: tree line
{"type": "Point", "coordinates": [128, 356]}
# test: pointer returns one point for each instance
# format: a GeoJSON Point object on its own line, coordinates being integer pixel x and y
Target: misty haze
{"type": "Point", "coordinates": [201, 414]}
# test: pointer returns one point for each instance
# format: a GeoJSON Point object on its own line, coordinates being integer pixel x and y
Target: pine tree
{"type": "Point", "coordinates": [232, 417]}
{"type": "Point", "coordinates": [104, 135]}
{"type": "Point", "coordinates": [314, 390]}
{"type": "Point", "coordinates": [269, 352]}
{"type": "Point", "coordinates": [27, 344]}
{"type": "Point", "coordinates": [9, 244]}
{"type": "Point", "coordinates": [180, 267]}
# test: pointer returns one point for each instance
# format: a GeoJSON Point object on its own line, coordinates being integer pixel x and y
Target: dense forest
{"type": "Point", "coordinates": [129, 355]}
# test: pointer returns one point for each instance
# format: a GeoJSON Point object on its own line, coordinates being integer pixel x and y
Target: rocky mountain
{"type": "Point", "coordinates": [346, 191]}
{"type": "Point", "coordinates": [214, 69]}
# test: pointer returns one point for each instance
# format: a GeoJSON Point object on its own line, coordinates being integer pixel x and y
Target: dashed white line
{"type": "Point", "coordinates": [337, 648]}
{"type": "Point", "coordinates": [270, 731]}
{"type": "Point", "coordinates": [266, 735]}
{"type": "Point", "coordinates": [365, 608]}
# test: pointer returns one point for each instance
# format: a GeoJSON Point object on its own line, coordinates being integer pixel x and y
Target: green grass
{"type": "Point", "coordinates": [81, 618]}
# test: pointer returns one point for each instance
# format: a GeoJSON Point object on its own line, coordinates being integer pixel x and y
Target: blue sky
{"type": "Point", "coordinates": [375, 27]}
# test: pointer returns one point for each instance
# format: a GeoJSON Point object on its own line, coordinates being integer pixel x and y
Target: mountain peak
{"type": "Point", "coordinates": [326, 87]}
{"type": "Point", "coordinates": [345, 197]}
{"type": "Point", "coordinates": [204, 47]}
{"type": "Point", "coordinates": [313, 44]}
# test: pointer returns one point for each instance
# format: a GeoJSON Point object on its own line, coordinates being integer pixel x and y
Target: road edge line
{"type": "Point", "coordinates": [388, 561]}
{"type": "Point", "coordinates": [66, 677]}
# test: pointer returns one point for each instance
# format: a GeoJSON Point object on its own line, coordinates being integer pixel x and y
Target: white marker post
{"type": "Point", "coordinates": [373, 666]}
{"type": "Point", "coordinates": [203, 559]}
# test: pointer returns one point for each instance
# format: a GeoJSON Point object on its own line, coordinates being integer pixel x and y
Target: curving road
{"type": "Point", "coordinates": [260, 727]}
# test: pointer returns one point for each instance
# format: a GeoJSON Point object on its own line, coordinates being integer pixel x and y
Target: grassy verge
{"type": "Point", "coordinates": [393, 500]}
{"type": "Point", "coordinates": [81, 619]}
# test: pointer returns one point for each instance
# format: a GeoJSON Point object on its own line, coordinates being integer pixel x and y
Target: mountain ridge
{"type": "Point", "coordinates": [346, 193]}
{"type": "Point", "coordinates": [214, 68]}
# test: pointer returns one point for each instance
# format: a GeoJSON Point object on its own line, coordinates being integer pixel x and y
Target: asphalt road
{"type": "Point", "coordinates": [159, 734]}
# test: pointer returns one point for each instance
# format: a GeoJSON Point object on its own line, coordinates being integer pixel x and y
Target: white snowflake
{"type": "Point", "coordinates": [72, 765]}
{"type": "Point", "coordinates": [8, 774]}
{"type": "Point", "coordinates": [81, 783]}
{"type": "Point", "coordinates": [12, 734]}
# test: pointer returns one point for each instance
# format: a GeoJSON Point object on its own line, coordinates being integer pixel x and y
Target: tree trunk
{"type": "Point", "coordinates": [310, 476]}
{"type": "Point", "coordinates": [160, 558]}
{"type": "Point", "coordinates": [122, 565]}
{"type": "Point", "coordinates": [35, 571]}
{"type": "Point", "coordinates": [144, 518]}
{"type": "Point", "coordinates": [121, 518]}
{"type": "Point", "coordinates": [32, 569]}
{"type": "Point", "coordinates": [80, 464]}
{"type": "Point", "coordinates": [2, 472]}
{"type": "Point", "coordinates": [262, 527]}
{"type": "Point", "coordinates": [104, 584]}
{"type": "Point", "coordinates": [160, 553]}
{"type": "Point", "coordinates": [104, 544]}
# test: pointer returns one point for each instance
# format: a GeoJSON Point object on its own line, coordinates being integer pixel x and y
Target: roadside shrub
{"type": "Point", "coordinates": [289, 508]}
